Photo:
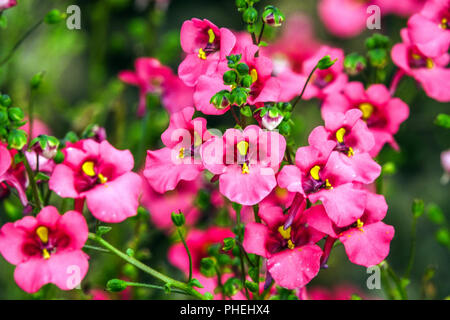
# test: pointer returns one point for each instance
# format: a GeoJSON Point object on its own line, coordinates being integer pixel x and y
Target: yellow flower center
{"type": "Point", "coordinates": [340, 135]}
{"type": "Point", "coordinates": [88, 169]}
{"type": "Point", "coordinates": [254, 75]}
{"type": "Point", "coordinates": [181, 153]}
{"type": "Point", "coordinates": [201, 54]}
{"type": "Point", "coordinates": [245, 169]}
{"type": "Point", "coordinates": [42, 233]}
{"type": "Point", "coordinates": [286, 234]}
{"type": "Point", "coordinates": [367, 110]}
{"type": "Point", "coordinates": [430, 63]}
{"type": "Point", "coordinates": [314, 172]}
{"type": "Point", "coordinates": [359, 224]}
{"type": "Point", "coordinates": [211, 36]}
{"type": "Point", "coordinates": [444, 23]}
{"type": "Point", "coordinates": [197, 139]}
{"type": "Point", "coordinates": [242, 147]}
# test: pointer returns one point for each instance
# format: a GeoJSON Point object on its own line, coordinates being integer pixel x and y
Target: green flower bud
{"type": "Point", "coordinates": [59, 158]}
{"type": "Point", "coordinates": [221, 99]}
{"type": "Point", "coordinates": [325, 62]}
{"type": "Point", "coordinates": [354, 63]}
{"type": "Point", "coordinates": [239, 96]}
{"type": "Point", "coordinates": [443, 120]}
{"type": "Point", "coordinates": [246, 81]}
{"type": "Point", "coordinates": [47, 146]}
{"type": "Point", "coordinates": [378, 57]}
{"type": "Point", "coordinates": [240, 4]}
{"type": "Point", "coordinates": [230, 77]}
{"type": "Point", "coordinates": [228, 244]}
{"type": "Point", "coordinates": [377, 41]}
{"type": "Point", "coordinates": [116, 285]}
{"type": "Point", "coordinates": [4, 119]}
{"type": "Point", "coordinates": [246, 111]}
{"type": "Point", "coordinates": [272, 16]}
{"type": "Point", "coordinates": [233, 60]}
{"type": "Point", "coordinates": [208, 267]}
{"type": "Point", "coordinates": [232, 286]}
{"type": "Point", "coordinates": [15, 114]}
{"type": "Point", "coordinates": [54, 16]}
{"type": "Point", "coordinates": [418, 207]}
{"type": "Point", "coordinates": [242, 68]}
{"type": "Point", "coordinates": [5, 100]}
{"type": "Point", "coordinates": [17, 139]}
{"type": "Point", "coordinates": [178, 219]}
{"type": "Point", "coordinates": [36, 81]}
{"type": "Point", "coordinates": [253, 287]}
{"type": "Point", "coordinates": [285, 128]}
{"type": "Point", "coordinates": [250, 15]}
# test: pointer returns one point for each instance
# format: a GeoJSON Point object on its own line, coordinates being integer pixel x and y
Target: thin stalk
{"type": "Point", "coordinates": [32, 180]}
{"type": "Point", "coordinates": [412, 252]}
{"type": "Point", "coordinates": [151, 286]}
{"type": "Point", "coordinates": [241, 252]}
{"type": "Point", "coordinates": [304, 88]}
{"type": "Point", "coordinates": [188, 252]}
{"type": "Point", "coordinates": [166, 279]}
{"type": "Point", "coordinates": [258, 258]}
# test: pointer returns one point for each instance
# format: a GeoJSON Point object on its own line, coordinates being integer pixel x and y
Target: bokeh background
{"type": "Point", "coordinates": [81, 88]}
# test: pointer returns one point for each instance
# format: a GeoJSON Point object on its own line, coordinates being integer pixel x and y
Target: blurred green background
{"type": "Point", "coordinates": [81, 87]}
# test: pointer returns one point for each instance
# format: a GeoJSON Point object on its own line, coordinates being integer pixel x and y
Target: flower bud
{"type": "Point", "coordinates": [241, 4]}
{"type": "Point", "coordinates": [54, 16]}
{"type": "Point", "coordinates": [239, 96]}
{"type": "Point", "coordinates": [15, 114]}
{"type": "Point", "coordinates": [116, 285]}
{"type": "Point", "coordinates": [285, 128]}
{"type": "Point", "coordinates": [269, 122]}
{"type": "Point", "coordinates": [94, 132]}
{"type": "Point", "coordinates": [378, 57]}
{"type": "Point", "coordinates": [4, 120]}
{"type": "Point", "coordinates": [325, 63]}
{"type": "Point", "coordinates": [246, 111]}
{"type": "Point", "coordinates": [418, 207]}
{"type": "Point", "coordinates": [230, 77]}
{"type": "Point", "coordinates": [253, 287]}
{"type": "Point", "coordinates": [232, 286]}
{"type": "Point", "coordinates": [221, 99]}
{"type": "Point", "coordinates": [228, 244]}
{"type": "Point", "coordinates": [178, 219]}
{"type": "Point", "coordinates": [17, 139]}
{"type": "Point", "coordinates": [272, 16]}
{"type": "Point", "coordinates": [354, 64]}
{"type": "Point", "coordinates": [250, 15]}
{"type": "Point", "coordinates": [246, 81]}
{"type": "Point", "coordinates": [44, 145]}
{"type": "Point", "coordinates": [233, 59]}
{"type": "Point", "coordinates": [377, 41]}
{"type": "Point", "coordinates": [5, 100]}
{"type": "Point", "coordinates": [208, 267]}
{"type": "Point", "coordinates": [242, 68]}
{"type": "Point", "coordinates": [36, 81]}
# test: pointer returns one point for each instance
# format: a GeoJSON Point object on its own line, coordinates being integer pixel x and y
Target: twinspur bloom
{"type": "Point", "coordinates": [101, 175]}
{"type": "Point", "coordinates": [12, 175]}
{"type": "Point", "coordinates": [293, 258]}
{"type": "Point", "coordinates": [245, 162]}
{"type": "Point", "coordinates": [153, 77]}
{"type": "Point", "coordinates": [205, 45]}
{"type": "Point", "coordinates": [180, 159]}
{"type": "Point", "coordinates": [382, 113]}
{"type": "Point", "coordinates": [46, 249]}
{"type": "Point", "coordinates": [5, 4]}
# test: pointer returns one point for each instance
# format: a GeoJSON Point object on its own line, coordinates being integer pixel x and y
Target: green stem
{"type": "Point", "coordinates": [32, 180]}
{"type": "Point", "coordinates": [18, 43]}
{"type": "Point", "coordinates": [188, 252]}
{"type": "Point", "coordinates": [151, 286]}
{"type": "Point", "coordinates": [304, 88]}
{"type": "Point", "coordinates": [397, 282]}
{"type": "Point", "coordinates": [412, 253]}
{"type": "Point", "coordinates": [258, 258]}
{"type": "Point", "coordinates": [167, 280]}
{"type": "Point", "coordinates": [241, 250]}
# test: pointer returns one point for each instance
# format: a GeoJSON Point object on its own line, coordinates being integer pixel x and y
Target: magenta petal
{"type": "Point", "coordinates": [12, 238]}
{"type": "Point", "coordinates": [31, 275]}
{"type": "Point", "coordinates": [163, 170]}
{"type": "Point", "coordinates": [5, 160]}
{"type": "Point", "coordinates": [317, 218]}
{"type": "Point", "coordinates": [376, 208]}
{"type": "Point", "coordinates": [49, 217]}
{"type": "Point", "coordinates": [290, 178]}
{"type": "Point", "coordinates": [247, 189]}
{"type": "Point", "coordinates": [272, 215]}
{"type": "Point", "coordinates": [293, 269]}
{"type": "Point", "coordinates": [344, 204]}
{"type": "Point", "coordinates": [115, 200]}
{"type": "Point", "coordinates": [68, 269]}
{"type": "Point", "coordinates": [255, 238]}
{"type": "Point", "coordinates": [369, 246]}
{"type": "Point", "coordinates": [62, 182]}
{"type": "Point", "coordinates": [121, 160]}
{"type": "Point", "coordinates": [73, 224]}
{"type": "Point", "coordinates": [435, 82]}
{"type": "Point", "coordinates": [206, 88]}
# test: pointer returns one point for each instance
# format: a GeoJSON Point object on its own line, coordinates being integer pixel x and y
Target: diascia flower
{"type": "Point", "coordinates": [46, 249]}
{"type": "Point", "coordinates": [367, 240]}
{"type": "Point", "coordinates": [5, 4]}
{"type": "Point", "coordinates": [101, 175]}
{"type": "Point", "coordinates": [181, 158]}
{"type": "Point", "coordinates": [319, 174]}
{"type": "Point", "coordinates": [245, 162]}
{"type": "Point", "coordinates": [431, 72]}
{"type": "Point", "coordinates": [12, 175]}
{"type": "Point", "coordinates": [153, 77]}
{"type": "Point", "coordinates": [353, 141]}
{"type": "Point", "coordinates": [293, 258]}
{"type": "Point", "coordinates": [382, 113]}
{"type": "Point", "coordinates": [429, 30]}
{"type": "Point", "coordinates": [205, 45]}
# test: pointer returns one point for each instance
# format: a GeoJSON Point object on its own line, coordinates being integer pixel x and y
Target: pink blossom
{"type": "Point", "coordinates": [180, 159]}
{"type": "Point", "coordinates": [429, 30]}
{"type": "Point", "coordinates": [205, 45]}
{"type": "Point", "coordinates": [198, 242]}
{"type": "Point", "coordinates": [245, 162]}
{"type": "Point", "coordinates": [153, 77]}
{"type": "Point", "coordinates": [5, 4]}
{"type": "Point", "coordinates": [46, 249]}
{"type": "Point", "coordinates": [445, 160]}
{"type": "Point", "coordinates": [366, 240]}
{"type": "Point", "coordinates": [382, 113]}
{"type": "Point", "coordinates": [160, 206]}
{"type": "Point", "coordinates": [293, 258]}
{"type": "Point", "coordinates": [100, 174]}
{"type": "Point", "coordinates": [12, 175]}
{"type": "Point", "coordinates": [320, 174]}
{"type": "Point", "coordinates": [431, 72]}
{"type": "Point", "coordinates": [352, 140]}
{"type": "Point", "coordinates": [340, 292]}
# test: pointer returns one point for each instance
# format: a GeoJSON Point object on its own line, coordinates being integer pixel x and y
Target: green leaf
{"type": "Point", "coordinates": [443, 120]}
{"type": "Point", "coordinates": [195, 283]}
{"type": "Point", "coordinates": [246, 111]}
{"type": "Point", "coordinates": [102, 230]}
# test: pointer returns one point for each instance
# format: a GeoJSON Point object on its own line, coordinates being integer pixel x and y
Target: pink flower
{"type": "Point", "coordinates": [431, 72]}
{"type": "Point", "coordinates": [445, 160]}
{"type": "Point", "coordinates": [206, 45]}
{"type": "Point", "coordinates": [180, 159]}
{"type": "Point", "coordinates": [429, 30]}
{"type": "Point", "coordinates": [182, 198]}
{"type": "Point", "coordinates": [245, 162]}
{"type": "Point", "coordinates": [39, 128]}
{"type": "Point", "coordinates": [12, 175]}
{"type": "Point", "coordinates": [340, 292]}
{"type": "Point", "coordinates": [320, 174]}
{"type": "Point", "coordinates": [353, 141]}
{"type": "Point", "coordinates": [153, 77]}
{"type": "Point", "coordinates": [100, 174]}
{"type": "Point", "coordinates": [46, 249]}
{"type": "Point", "coordinates": [293, 258]}
{"type": "Point", "coordinates": [382, 113]}
{"type": "Point", "coordinates": [198, 242]}
{"type": "Point", "coordinates": [367, 240]}
{"type": "Point", "coordinates": [5, 4]}
{"type": "Point", "coordinates": [324, 82]}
